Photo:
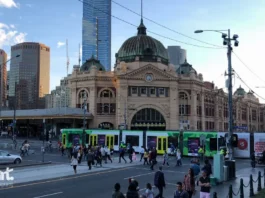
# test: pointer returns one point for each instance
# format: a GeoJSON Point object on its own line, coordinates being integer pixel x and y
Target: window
{"type": "Point", "coordinates": [106, 94]}
{"type": "Point", "coordinates": [143, 90]}
{"type": "Point", "coordinates": [134, 90]}
{"type": "Point", "coordinates": [116, 140]}
{"type": "Point", "coordinates": [213, 144]}
{"type": "Point", "coordinates": [152, 91]}
{"type": "Point", "coordinates": [133, 140]}
{"type": "Point", "coordinates": [173, 140]}
{"type": "Point", "coordinates": [161, 91]}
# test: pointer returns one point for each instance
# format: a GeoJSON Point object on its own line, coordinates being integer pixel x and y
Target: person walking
{"type": "Point", "coordinates": [117, 193]}
{"type": "Point", "coordinates": [178, 155]}
{"type": "Point", "coordinates": [146, 155]}
{"type": "Point", "coordinates": [204, 183]}
{"type": "Point", "coordinates": [189, 183]}
{"type": "Point", "coordinates": [148, 191]}
{"type": "Point", "coordinates": [90, 159]}
{"type": "Point", "coordinates": [153, 158]}
{"type": "Point", "coordinates": [74, 162]}
{"type": "Point", "coordinates": [122, 152]}
{"type": "Point", "coordinates": [159, 182]}
{"type": "Point", "coordinates": [165, 158]}
{"type": "Point", "coordinates": [131, 151]}
{"type": "Point", "coordinates": [142, 151]}
{"type": "Point", "coordinates": [253, 160]}
{"type": "Point", "coordinates": [180, 193]}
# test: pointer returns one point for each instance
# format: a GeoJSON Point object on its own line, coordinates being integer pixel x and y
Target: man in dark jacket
{"type": "Point", "coordinates": [159, 182]}
{"type": "Point", "coordinates": [90, 158]}
{"type": "Point", "coordinates": [153, 158]}
{"type": "Point", "coordinates": [132, 191]}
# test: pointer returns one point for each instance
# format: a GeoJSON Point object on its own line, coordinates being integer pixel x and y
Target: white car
{"type": "Point", "coordinates": [7, 158]}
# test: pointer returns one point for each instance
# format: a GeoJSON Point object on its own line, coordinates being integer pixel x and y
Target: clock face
{"type": "Point", "coordinates": [149, 77]}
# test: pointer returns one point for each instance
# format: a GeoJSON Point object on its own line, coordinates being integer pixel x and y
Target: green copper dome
{"type": "Point", "coordinates": [185, 68]}
{"type": "Point", "coordinates": [145, 47]}
{"type": "Point", "coordinates": [240, 91]}
{"type": "Point", "coordinates": [92, 62]}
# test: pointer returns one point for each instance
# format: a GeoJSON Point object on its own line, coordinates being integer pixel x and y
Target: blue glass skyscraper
{"type": "Point", "coordinates": [96, 33]}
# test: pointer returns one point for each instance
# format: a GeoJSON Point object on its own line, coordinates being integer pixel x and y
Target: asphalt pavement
{"type": "Point", "coordinates": [100, 183]}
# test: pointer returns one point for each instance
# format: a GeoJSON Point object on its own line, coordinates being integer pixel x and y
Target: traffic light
{"type": "Point", "coordinates": [234, 140]}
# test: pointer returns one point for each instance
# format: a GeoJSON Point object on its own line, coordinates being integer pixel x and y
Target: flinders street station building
{"type": "Point", "coordinates": [146, 92]}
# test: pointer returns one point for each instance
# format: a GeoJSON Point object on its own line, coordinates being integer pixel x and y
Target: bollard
{"type": "Point", "coordinates": [251, 191]}
{"type": "Point", "coordinates": [230, 193]}
{"type": "Point", "coordinates": [241, 188]}
{"type": "Point", "coordinates": [259, 181]}
{"type": "Point", "coordinates": [214, 195]}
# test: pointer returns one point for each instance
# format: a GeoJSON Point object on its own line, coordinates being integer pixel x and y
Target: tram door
{"type": "Point", "coordinates": [110, 141]}
{"type": "Point", "coordinates": [162, 145]}
{"type": "Point", "coordinates": [93, 140]}
{"type": "Point", "coordinates": [64, 140]}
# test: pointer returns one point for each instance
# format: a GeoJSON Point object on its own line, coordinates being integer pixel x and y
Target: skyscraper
{"type": "Point", "coordinates": [3, 78]}
{"type": "Point", "coordinates": [31, 72]}
{"type": "Point", "coordinates": [176, 55]}
{"type": "Point", "coordinates": [96, 31]}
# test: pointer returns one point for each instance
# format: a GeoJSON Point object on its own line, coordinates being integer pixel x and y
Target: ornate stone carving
{"type": "Point", "coordinates": [166, 109]}
{"type": "Point", "coordinates": [173, 88]}
{"type": "Point", "coordinates": [124, 87]}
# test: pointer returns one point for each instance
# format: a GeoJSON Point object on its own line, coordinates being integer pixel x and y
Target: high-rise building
{"type": "Point", "coordinates": [96, 31]}
{"type": "Point", "coordinates": [176, 55]}
{"type": "Point", "coordinates": [3, 78]}
{"type": "Point", "coordinates": [31, 74]}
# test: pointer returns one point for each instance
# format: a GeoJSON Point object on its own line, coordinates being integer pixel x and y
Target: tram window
{"type": "Point", "coordinates": [87, 138]}
{"type": "Point", "coordinates": [213, 144]}
{"type": "Point", "coordinates": [116, 140]}
{"type": "Point", "coordinates": [70, 138]}
{"type": "Point", "coordinates": [133, 140]}
{"type": "Point", "coordinates": [172, 140]}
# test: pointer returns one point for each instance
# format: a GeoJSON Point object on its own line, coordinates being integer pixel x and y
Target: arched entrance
{"type": "Point", "coordinates": [105, 125]}
{"type": "Point", "coordinates": [148, 119]}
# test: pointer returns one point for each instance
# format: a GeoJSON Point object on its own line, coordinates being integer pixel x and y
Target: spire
{"type": "Point", "coordinates": [141, 28]}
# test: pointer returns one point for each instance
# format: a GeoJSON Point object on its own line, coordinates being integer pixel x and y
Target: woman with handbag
{"type": "Point", "coordinates": [74, 162]}
{"type": "Point", "coordinates": [189, 183]}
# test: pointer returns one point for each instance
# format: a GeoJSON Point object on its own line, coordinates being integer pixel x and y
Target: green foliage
{"type": "Point", "coordinates": [261, 194]}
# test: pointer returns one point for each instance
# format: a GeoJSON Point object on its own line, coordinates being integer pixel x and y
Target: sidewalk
{"type": "Point", "coordinates": [32, 174]}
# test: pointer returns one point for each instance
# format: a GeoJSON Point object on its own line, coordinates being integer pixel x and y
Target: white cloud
{"type": "Point", "coordinates": [8, 4]}
{"type": "Point", "coordinates": [12, 26]}
{"type": "Point", "coordinates": [60, 44]}
{"type": "Point", "coordinates": [29, 5]}
{"type": "Point", "coordinates": [10, 37]}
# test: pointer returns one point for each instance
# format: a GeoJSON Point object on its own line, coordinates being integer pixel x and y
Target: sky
{"type": "Point", "coordinates": [51, 22]}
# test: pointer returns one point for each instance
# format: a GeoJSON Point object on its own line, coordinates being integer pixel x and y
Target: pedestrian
{"type": "Point", "coordinates": [253, 160]}
{"type": "Point", "coordinates": [159, 182]}
{"type": "Point", "coordinates": [107, 150]}
{"type": "Point", "coordinates": [153, 158]}
{"type": "Point", "coordinates": [117, 193]}
{"type": "Point", "coordinates": [148, 191]}
{"type": "Point", "coordinates": [90, 159]}
{"type": "Point", "coordinates": [195, 166]}
{"type": "Point", "coordinates": [165, 158]}
{"type": "Point", "coordinates": [189, 183]}
{"type": "Point", "coordinates": [178, 156]}
{"type": "Point", "coordinates": [132, 191]}
{"type": "Point", "coordinates": [74, 162]}
{"type": "Point", "coordinates": [180, 193]}
{"type": "Point", "coordinates": [98, 157]}
{"type": "Point", "coordinates": [207, 168]}
{"type": "Point", "coordinates": [122, 152]}
{"type": "Point", "coordinates": [131, 151]}
{"type": "Point", "coordinates": [204, 183]}
{"type": "Point", "coordinates": [142, 151]}
{"type": "Point", "coordinates": [146, 155]}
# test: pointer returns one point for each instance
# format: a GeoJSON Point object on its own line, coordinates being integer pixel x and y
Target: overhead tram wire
{"type": "Point", "coordinates": [194, 45]}
{"type": "Point", "coordinates": [167, 27]}
{"type": "Point", "coordinates": [248, 86]}
{"type": "Point", "coordinates": [247, 67]}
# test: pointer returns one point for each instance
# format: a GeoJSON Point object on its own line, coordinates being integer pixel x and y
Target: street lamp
{"type": "Point", "coordinates": [1, 83]}
{"type": "Point", "coordinates": [84, 120]}
{"type": "Point", "coordinates": [227, 40]}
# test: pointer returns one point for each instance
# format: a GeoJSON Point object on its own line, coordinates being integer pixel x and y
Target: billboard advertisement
{"type": "Point", "coordinates": [259, 143]}
{"type": "Point", "coordinates": [76, 139]}
{"type": "Point", "coordinates": [193, 146]}
{"type": "Point", "coordinates": [101, 140]}
{"type": "Point", "coordinates": [243, 146]}
{"type": "Point", "coordinates": [151, 142]}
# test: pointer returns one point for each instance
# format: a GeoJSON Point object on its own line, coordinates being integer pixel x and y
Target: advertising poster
{"type": "Point", "coordinates": [151, 142]}
{"type": "Point", "coordinates": [76, 139]}
{"type": "Point", "coordinates": [101, 140]}
{"type": "Point", "coordinates": [259, 143]}
{"type": "Point", "coordinates": [193, 146]}
{"type": "Point", "coordinates": [243, 146]}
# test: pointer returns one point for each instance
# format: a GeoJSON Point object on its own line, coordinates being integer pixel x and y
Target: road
{"type": "Point", "coordinates": [100, 184]}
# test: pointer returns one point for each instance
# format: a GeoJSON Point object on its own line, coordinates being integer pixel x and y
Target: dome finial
{"type": "Point", "coordinates": [141, 28]}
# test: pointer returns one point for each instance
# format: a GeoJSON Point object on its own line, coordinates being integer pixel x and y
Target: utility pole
{"type": "Point", "coordinates": [15, 107]}
{"type": "Point", "coordinates": [227, 41]}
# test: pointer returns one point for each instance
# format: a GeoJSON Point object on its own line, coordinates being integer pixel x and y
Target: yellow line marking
{"type": "Point", "coordinates": [63, 179]}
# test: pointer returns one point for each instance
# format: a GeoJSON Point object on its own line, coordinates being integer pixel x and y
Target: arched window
{"type": "Point", "coordinates": [82, 99]}
{"type": "Point", "coordinates": [106, 94]}
{"type": "Point", "coordinates": [183, 96]}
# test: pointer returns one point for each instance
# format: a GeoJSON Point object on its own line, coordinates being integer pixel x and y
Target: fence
{"type": "Point", "coordinates": [240, 191]}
